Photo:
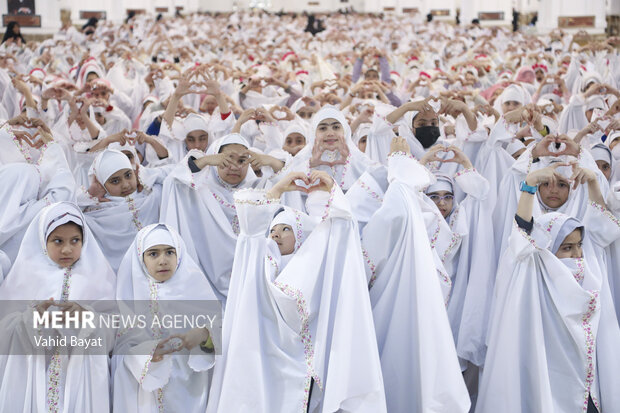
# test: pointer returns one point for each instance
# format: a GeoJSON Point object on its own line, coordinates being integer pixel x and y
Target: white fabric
{"type": "Point", "coordinates": [195, 201]}
{"type": "Point", "coordinates": [116, 222]}
{"type": "Point", "coordinates": [418, 355]}
{"type": "Point", "coordinates": [316, 327]}
{"type": "Point", "coordinates": [344, 175]}
{"type": "Point", "coordinates": [34, 276]}
{"type": "Point", "coordinates": [25, 188]}
{"type": "Point", "coordinates": [195, 122]}
{"type": "Point", "coordinates": [180, 382]}
{"type": "Point", "coordinates": [541, 324]}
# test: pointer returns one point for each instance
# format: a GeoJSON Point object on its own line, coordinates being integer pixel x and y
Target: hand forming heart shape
{"type": "Point", "coordinates": [435, 104]}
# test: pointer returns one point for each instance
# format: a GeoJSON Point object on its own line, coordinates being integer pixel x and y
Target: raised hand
{"type": "Point", "coordinates": [325, 181]}
{"type": "Point", "coordinates": [399, 145]}
{"type": "Point", "coordinates": [431, 154]}
{"type": "Point", "coordinates": [289, 183]}
{"type": "Point", "coordinates": [581, 175]}
{"type": "Point", "coordinates": [459, 157]}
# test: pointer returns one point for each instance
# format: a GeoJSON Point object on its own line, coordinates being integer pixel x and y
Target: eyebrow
{"type": "Point", "coordinates": [567, 244]}
{"type": "Point", "coordinates": [329, 124]}
{"type": "Point", "coordinates": [153, 249]}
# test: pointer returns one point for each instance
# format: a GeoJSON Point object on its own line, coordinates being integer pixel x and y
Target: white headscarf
{"type": "Point", "coordinates": [35, 276]}
{"type": "Point", "coordinates": [107, 163]}
{"type": "Point", "coordinates": [344, 175]}
{"type": "Point", "coordinates": [134, 280]}
{"type": "Point", "coordinates": [301, 223]}
{"type": "Point", "coordinates": [194, 122]}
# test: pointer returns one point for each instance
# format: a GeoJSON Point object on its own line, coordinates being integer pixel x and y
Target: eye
{"type": "Point", "coordinates": [170, 252]}
{"type": "Point", "coordinates": [128, 175]}
{"type": "Point", "coordinates": [434, 198]}
{"type": "Point", "coordinates": [271, 231]}
{"type": "Point", "coordinates": [287, 229]}
{"type": "Point", "coordinates": [114, 181]}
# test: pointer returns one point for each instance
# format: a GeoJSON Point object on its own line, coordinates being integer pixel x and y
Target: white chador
{"type": "Point", "coordinates": [471, 274]}
{"type": "Point", "coordinates": [356, 163]}
{"type": "Point", "coordinates": [553, 337]}
{"type": "Point", "coordinates": [56, 382]}
{"type": "Point", "coordinates": [408, 293]}
{"type": "Point", "coordinates": [179, 382]}
{"type": "Point", "coordinates": [201, 208]}
{"type": "Point", "coordinates": [27, 185]}
{"type": "Point", "coordinates": [298, 328]}
{"type": "Point", "coordinates": [116, 223]}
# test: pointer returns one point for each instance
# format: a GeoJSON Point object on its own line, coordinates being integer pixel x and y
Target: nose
{"type": "Point", "coordinates": [66, 249]}
{"type": "Point", "coordinates": [234, 167]}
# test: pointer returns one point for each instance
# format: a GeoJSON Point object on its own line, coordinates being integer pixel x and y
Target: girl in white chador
{"type": "Point", "coordinates": [59, 264]}
{"type": "Point", "coordinates": [198, 202]}
{"type": "Point", "coordinates": [124, 205]}
{"type": "Point", "coordinates": [298, 333]}
{"type": "Point", "coordinates": [553, 336]}
{"type": "Point", "coordinates": [470, 230]}
{"type": "Point", "coordinates": [148, 378]}
{"type": "Point", "coordinates": [331, 149]}
{"type": "Point", "coordinates": [408, 288]}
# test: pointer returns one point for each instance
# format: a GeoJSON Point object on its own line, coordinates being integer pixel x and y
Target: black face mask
{"type": "Point", "coordinates": [427, 135]}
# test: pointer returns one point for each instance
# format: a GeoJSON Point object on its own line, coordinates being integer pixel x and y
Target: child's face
{"type": "Point", "coordinates": [161, 262]}
{"type": "Point", "coordinates": [122, 183]}
{"type": "Point", "coordinates": [197, 139]}
{"type": "Point", "coordinates": [294, 142]}
{"type": "Point", "coordinates": [444, 201]}
{"type": "Point", "coordinates": [284, 236]}
{"type": "Point", "coordinates": [64, 245]}
{"type": "Point", "coordinates": [328, 134]}
{"type": "Point", "coordinates": [238, 168]}
{"type": "Point", "coordinates": [571, 247]}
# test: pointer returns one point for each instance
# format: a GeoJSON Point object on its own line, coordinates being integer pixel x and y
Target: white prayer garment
{"type": "Point", "coordinates": [355, 164]}
{"type": "Point", "coordinates": [298, 332]}
{"type": "Point", "coordinates": [406, 294]}
{"type": "Point", "coordinates": [552, 332]}
{"type": "Point", "coordinates": [201, 208]}
{"type": "Point", "coordinates": [116, 221]}
{"type": "Point", "coordinates": [55, 381]}
{"type": "Point", "coordinates": [179, 382]}
{"type": "Point", "coordinates": [26, 186]}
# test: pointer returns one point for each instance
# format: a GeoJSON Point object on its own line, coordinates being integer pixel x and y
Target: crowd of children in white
{"type": "Point", "coordinates": [396, 216]}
